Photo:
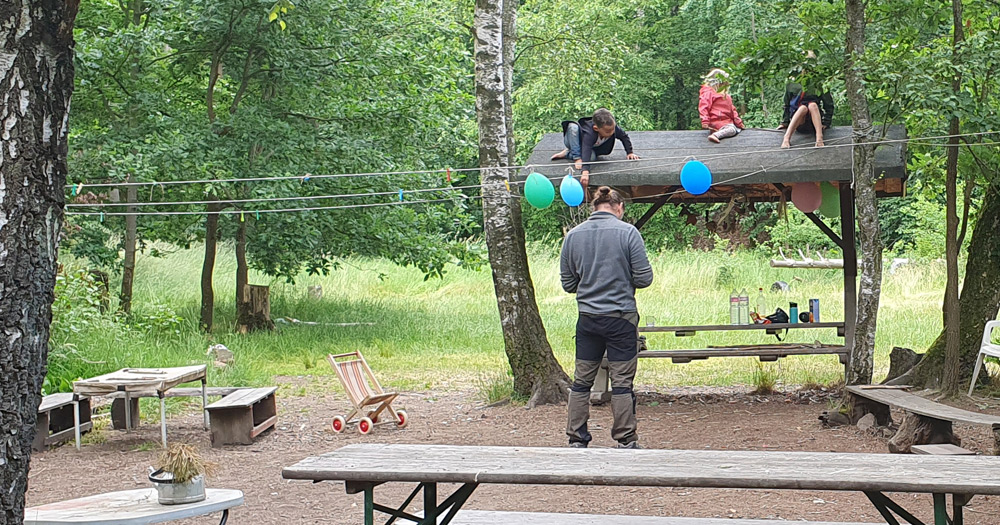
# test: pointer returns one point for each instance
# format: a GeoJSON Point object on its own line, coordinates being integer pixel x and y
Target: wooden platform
{"type": "Point", "coordinates": [485, 517]}
{"type": "Point", "coordinates": [748, 164]}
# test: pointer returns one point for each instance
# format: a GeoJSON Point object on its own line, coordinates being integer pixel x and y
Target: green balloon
{"type": "Point", "coordinates": [830, 207]}
{"type": "Point", "coordinates": [539, 190]}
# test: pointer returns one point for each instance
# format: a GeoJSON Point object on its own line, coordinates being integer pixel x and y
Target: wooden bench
{"type": "Point", "coordinates": [946, 449]}
{"type": "Point", "coordinates": [242, 416]}
{"type": "Point", "coordinates": [926, 421]}
{"type": "Point", "coordinates": [483, 517]}
{"type": "Point", "coordinates": [55, 419]}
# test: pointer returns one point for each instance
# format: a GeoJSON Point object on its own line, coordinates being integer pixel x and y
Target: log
{"type": "Point", "coordinates": [258, 314]}
{"type": "Point", "coordinates": [901, 360]}
{"type": "Point", "coordinates": [922, 430]}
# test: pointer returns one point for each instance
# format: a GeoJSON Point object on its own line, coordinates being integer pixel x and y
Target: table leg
{"type": "Point", "coordinates": [204, 402]}
{"type": "Point", "coordinates": [941, 510]}
{"type": "Point", "coordinates": [370, 505]}
{"type": "Point", "coordinates": [128, 413]}
{"type": "Point", "coordinates": [430, 504]}
{"type": "Point", "coordinates": [76, 422]}
{"type": "Point", "coordinates": [163, 419]}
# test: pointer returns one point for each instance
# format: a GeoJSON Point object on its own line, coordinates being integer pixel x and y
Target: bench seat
{"type": "Point", "coordinates": [55, 420]}
{"type": "Point", "coordinates": [243, 415]}
{"type": "Point", "coordinates": [482, 517]}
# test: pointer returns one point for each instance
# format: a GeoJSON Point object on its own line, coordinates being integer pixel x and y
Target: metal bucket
{"type": "Point", "coordinates": [170, 493]}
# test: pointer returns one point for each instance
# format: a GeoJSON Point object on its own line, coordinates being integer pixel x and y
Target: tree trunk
{"type": "Point", "coordinates": [862, 354]}
{"type": "Point", "coordinates": [536, 372]}
{"type": "Point", "coordinates": [36, 83]}
{"type": "Point", "coordinates": [128, 269]}
{"type": "Point", "coordinates": [980, 298]}
{"type": "Point", "coordinates": [242, 280]}
{"type": "Point", "coordinates": [258, 310]}
{"type": "Point", "coordinates": [208, 267]}
{"type": "Point", "coordinates": [920, 430]}
{"type": "Point", "coordinates": [952, 353]}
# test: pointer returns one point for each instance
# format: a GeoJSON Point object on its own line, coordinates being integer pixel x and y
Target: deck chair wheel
{"type": "Point", "coordinates": [401, 418]}
{"type": "Point", "coordinates": [339, 424]}
{"type": "Point", "coordinates": [365, 425]}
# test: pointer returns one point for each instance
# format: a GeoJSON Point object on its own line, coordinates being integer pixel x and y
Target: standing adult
{"type": "Point", "coordinates": [603, 262]}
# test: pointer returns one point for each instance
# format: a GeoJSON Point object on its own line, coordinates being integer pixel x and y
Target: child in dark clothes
{"type": "Point", "coordinates": [590, 137]}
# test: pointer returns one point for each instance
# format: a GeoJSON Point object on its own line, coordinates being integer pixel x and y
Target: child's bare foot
{"type": "Point", "coordinates": [561, 155]}
{"type": "Point", "coordinates": [819, 143]}
{"type": "Point", "coordinates": [785, 144]}
{"type": "Point", "coordinates": [713, 138]}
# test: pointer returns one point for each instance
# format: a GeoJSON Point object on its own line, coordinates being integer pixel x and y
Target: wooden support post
{"type": "Point", "coordinates": [652, 210]}
{"type": "Point", "coordinates": [922, 430]}
{"type": "Point", "coordinates": [850, 270]}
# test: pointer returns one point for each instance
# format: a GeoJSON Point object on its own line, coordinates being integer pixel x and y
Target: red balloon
{"type": "Point", "coordinates": [807, 196]}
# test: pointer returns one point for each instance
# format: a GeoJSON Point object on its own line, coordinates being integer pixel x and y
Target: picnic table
{"type": "Point", "coordinates": [130, 507]}
{"type": "Point", "coordinates": [143, 382]}
{"type": "Point", "coordinates": [364, 466]}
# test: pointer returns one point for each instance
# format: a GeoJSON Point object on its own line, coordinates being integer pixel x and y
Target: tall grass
{"type": "Point", "coordinates": [445, 333]}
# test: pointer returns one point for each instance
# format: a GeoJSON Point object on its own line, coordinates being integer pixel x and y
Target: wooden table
{"type": "Point", "coordinates": [130, 507]}
{"type": "Point", "coordinates": [365, 466]}
{"type": "Point", "coordinates": [136, 382]}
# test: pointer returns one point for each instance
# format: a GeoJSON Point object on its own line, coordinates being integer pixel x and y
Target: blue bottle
{"type": "Point", "coordinates": [793, 313]}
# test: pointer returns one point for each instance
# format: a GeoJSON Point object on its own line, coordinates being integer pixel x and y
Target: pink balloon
{"type": "Point", "coordinates": [807, 196]}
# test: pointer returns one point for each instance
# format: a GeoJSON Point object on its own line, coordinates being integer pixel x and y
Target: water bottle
{"type": "Point", "coordinates": [761, 305]}
{"type": "Point", "coordinates": [734, 308]}
{"type": "Point", "coordinates": [793, 313]}
{"type": "Point", "coordinates": [744, 307]}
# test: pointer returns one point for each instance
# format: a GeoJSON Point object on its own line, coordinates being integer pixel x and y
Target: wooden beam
{"type": "Point", "coordinates": [850, 270]}
{"type": "Point", "coordinates": [826, 229]}
{"type": "Point", "coordinates": [652, 210]}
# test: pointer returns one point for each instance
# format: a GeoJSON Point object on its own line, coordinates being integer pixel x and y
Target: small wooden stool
{"type": "Point", "coordinates": [242, 416]}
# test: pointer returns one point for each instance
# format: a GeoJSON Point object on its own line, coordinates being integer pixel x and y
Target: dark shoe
{"type": "Point", "coordinates": [577, 444]}
{"type": "Point", "coordinates": [633, 444]}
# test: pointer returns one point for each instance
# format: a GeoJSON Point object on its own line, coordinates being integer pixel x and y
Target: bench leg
{"type": "Point", "coordinates": [225, 517]}
{"type": "Point", "coordinates": [128, 413]}
{"type": "Point", "coordinates": [163, 419]}
{"type": "Point", "coordinates": [76, 423]}
{"type": "Point", "coordinates": [204, 402]}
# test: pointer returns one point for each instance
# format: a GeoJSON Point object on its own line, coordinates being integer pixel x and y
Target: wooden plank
{"type": "Point", "coordinates": [744, 351]}
{"type": "Point", "coordinates": [53, 401]}
{"type": "Point", "coordinates": [485, 517]}
{"type": "Point", "coordinates": [941, 450]}
{"type": "Point", "coordinates": [925, 407]}
{"type": "Point", "coordinates": [728, 327]}
{"type": "Point", "coordinates": [259, 429]}
{"type": "Point", "coordinates": [67, 434]}
{"type": "Point", "coordinates": [212, 391]}
{"type": "Point", "coordinates": [242, 398]}
{"type": "Point", "coordinates": [378, 463]}
{"type": "Point", "coordinates": [128, 507]}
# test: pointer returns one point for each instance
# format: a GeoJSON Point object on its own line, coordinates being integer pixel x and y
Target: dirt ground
{"type": "Point", "coordinates": [688, 418]}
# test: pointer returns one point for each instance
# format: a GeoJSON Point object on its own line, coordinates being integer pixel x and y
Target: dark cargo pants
{"type": "Point", "coordinates": [618, 337]}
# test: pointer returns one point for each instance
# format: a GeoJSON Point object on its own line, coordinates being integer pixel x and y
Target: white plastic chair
{"type": "Point", "coordinates": [988, 349]}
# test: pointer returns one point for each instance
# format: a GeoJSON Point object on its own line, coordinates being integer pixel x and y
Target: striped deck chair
{"type": "Point", "coordinates": [367, 396]}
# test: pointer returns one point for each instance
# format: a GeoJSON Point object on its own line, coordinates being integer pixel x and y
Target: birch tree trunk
{"type": "Point", "coordinates": [952, 326]}
{"type": "Point", "coordinates": [537, 374]}
{"type": "Point", "coordinates": [36, 83]}
{"type": "Point", "coordinates": [862, 355]}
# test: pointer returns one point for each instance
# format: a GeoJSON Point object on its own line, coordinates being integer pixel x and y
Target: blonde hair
{"type": "Point", "coordinates": [716, 77]}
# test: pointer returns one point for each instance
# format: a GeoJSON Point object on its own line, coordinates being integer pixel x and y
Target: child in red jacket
{"type": "Point", "coordinates": [716, 107]}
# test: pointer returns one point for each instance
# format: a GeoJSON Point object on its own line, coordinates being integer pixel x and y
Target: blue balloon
{"type": "Point", "coordinates": [571, 191]}
{"type": "Point", "coordinates": [695, 177]}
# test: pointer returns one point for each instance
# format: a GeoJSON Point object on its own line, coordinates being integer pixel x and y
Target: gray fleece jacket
{"type": "Point", "coordinates": [603, 261]}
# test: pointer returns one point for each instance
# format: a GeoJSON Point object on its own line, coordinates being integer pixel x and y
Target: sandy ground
{"type": "Point", "coordinates": [690, 418]}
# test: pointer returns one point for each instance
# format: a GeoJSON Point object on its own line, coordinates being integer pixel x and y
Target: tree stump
{"type": "Point", "coordinates": [921, 430]}
{"type": "Point", "coordinates": [860, 406]}
{"type": "Point", "coordinates": [257, 312]}
{"type": "Point", "coordinates": [996, 440]}
{"type": "Point", "coordinates": [901, 360]}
